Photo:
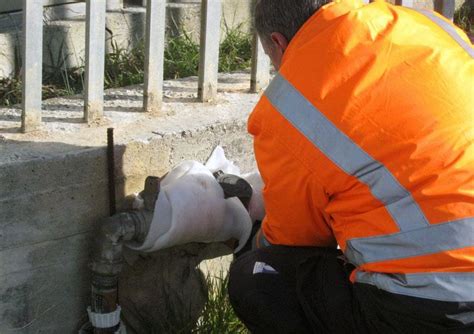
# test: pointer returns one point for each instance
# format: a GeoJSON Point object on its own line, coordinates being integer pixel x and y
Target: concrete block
{"type": "Point", "coordinates": [71, 165]}
{"type": "Point", "coordinates": [125, 29]}
{"type": "Point", "coordinates": [237, 14]}
{"type": "Point", "coordinates": [64, 45]}
{"type": "Point", "coordinates": [184, 15]}
{"type": "Point", "coordinates": [64, 40]}
{"type": "Point", "coordinates": [9, 53]}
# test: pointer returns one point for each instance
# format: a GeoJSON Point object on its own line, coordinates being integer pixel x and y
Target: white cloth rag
{"type": "Point", "coordinates": [191, 207]}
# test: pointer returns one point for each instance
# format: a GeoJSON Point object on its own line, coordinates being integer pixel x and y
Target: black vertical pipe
{"type": "Point", "coordinates": [111, 170]}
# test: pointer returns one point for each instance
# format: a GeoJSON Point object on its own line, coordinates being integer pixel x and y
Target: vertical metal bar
{"type": "Point", "coordinates": [32, 64]}
{"type": "Point", "coordinates": [211, 12]}
{"type": "Point", "coordinates": [445, 8]}
{"type": "Point", "coordinates": [95, 58]}
{"type": "Point", "coordinates": [260, 66]}
{"type": "Point", "coordinates": [154, 55]}
{"type": "Point", "coordinates": [111, 170]}
{"type": "Point", "coordinates": [406, 3]}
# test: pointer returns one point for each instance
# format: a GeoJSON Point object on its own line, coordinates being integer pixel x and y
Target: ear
{"type": "Point", "coordinates": [279, 41]}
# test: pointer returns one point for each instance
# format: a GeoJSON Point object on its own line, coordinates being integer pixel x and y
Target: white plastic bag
{"type": "Point", "coordinates": [191, 208]}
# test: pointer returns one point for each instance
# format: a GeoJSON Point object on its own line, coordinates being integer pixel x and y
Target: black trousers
{"type": "Point", "coordinates": [307, 290]}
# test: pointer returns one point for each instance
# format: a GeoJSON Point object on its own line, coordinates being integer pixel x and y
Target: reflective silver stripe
{"type": "Point", "coordinates": [464, 317]}
{"type": "Point", "coordinates": [449, 287]}
{"type": "Point", "coordinates": [449, 28]}
{"type": "Point", "coordinates": [341, 150]}
{"type": "Point", "coordinates": [428, 240]}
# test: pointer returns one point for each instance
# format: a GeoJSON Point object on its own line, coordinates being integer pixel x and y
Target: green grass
{"type": "Point", "coordinates": [235, 51]}
{"type": "Point", "coordinates": [126, 67]}
{"type": "Point", "coordinates": [10, 91]}
{"type": "Point", "coordinates": [218, 317]}
{"type": "Point", "coordinates": [181, 57]}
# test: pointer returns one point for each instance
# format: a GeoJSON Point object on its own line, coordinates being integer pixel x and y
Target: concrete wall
{"type": "Point", "coordinates": [48, 210]}
{"type": "Point", "coordinates": [54, 192]}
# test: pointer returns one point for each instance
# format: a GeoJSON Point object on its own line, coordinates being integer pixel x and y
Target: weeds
{"type": "Point", "coordinates": [235, 50]}
{"type": "Point", "coordinates": [10, 91]}
{"type": "Point", "coordinates": [181, 57]}
{"type": "Point", "coordinates": [218, 317]}
{"type": "Point", "coordinates": [126, 67]}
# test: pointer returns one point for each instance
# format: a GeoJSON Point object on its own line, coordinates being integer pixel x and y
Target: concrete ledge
{"type": "Point", "coordinates": [54, 191]}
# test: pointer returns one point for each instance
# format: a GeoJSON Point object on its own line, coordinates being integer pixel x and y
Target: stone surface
{"type": "Point", "coordinates": [9, 53]}
{"type": "Point", "coordinates": [165, 292]}
{"type": "Point", "coordinates": [54, 191]}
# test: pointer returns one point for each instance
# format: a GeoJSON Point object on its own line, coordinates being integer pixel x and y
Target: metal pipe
{"type": "Point", "coordinates": [107, 256]}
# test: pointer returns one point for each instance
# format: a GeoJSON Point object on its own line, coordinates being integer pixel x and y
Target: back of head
{"type": "Point", "coordinates": [284, 16]}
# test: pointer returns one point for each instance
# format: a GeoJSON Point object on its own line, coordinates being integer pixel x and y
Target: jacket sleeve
{"type": "Point", "coordinates": [295, 214]}
{"type": "Point", "coordinates": [295, 201]}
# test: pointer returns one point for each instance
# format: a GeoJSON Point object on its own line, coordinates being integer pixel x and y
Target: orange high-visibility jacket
{"type": "Point", "coordinates": [365, 139]}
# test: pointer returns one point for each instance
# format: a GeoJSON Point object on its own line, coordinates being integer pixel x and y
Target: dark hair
{"type": "Point", "coordinates": [284, 16]}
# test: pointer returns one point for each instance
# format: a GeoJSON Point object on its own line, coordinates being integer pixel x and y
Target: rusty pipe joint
{"type": "Point", "coordinates": [126, 227]}
{"type": "Point", "coordinates": [114, 231]}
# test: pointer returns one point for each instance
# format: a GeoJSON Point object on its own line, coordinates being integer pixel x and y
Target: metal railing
{"type": "Point", "coordinates": [211, 11]}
